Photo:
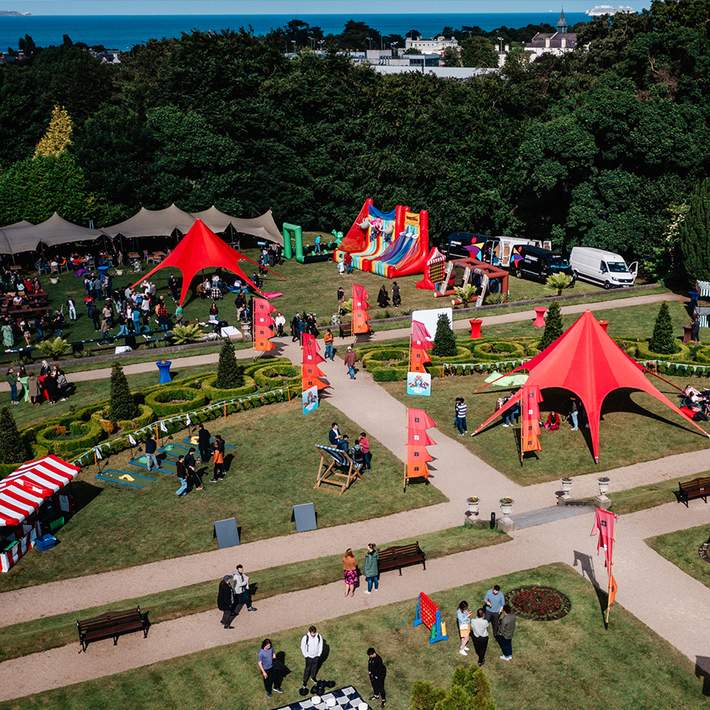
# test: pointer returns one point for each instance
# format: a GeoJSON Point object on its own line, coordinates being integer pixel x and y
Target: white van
{"type": "Point", "coordinates": [602, 267]}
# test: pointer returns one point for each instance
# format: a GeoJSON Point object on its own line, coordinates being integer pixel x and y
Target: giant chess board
{"type": "Point", "coordinates": [345, 699]}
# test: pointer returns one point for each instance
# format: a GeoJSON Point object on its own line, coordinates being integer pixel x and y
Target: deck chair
{"type": "Point", "coordinates": [336, 468]}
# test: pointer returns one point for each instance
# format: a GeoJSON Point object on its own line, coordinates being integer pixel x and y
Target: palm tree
{"type": "Point", "coordinates": [558, 282]}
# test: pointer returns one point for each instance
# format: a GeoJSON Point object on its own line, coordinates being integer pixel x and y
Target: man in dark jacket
{"type": "Point", "coordinates": [203, 444]}
{"type": "Point", "coordinates": [226, 602]}
{"type": "Point", "coordinates": [377, 671]}
{"type": "Point", "coordinates": [150, 449]}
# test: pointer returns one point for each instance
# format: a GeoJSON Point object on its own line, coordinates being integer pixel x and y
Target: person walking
{"type": "Point", "coordinates": [218, 461]}
{"type": "Point", "coordinates": [460, 413]}
{"type": "Point", "coordinates": [71, 306]}
{"type": "Point", "coordinates": [193, 475]}
{"type": "Point", "coordinates": [493, 603]}
{"type": "Point", "coordinates": [574, 414]}
{"type": "Point", "coordinates": [311, 648]}
{"type": "Point", "coordinates": [265, 662]}
{"type": "Point", "coordinates": [226, 602]}
{"type": "Point", "coordinates": [377, 670]}
{"type": "Point", "coordinates": [479, 630]}
{"type": "Point", "coordinates": [150, 448]}
{"type": "Point", "coordinates": [204, 439]}
{"type": "Point", "coordinates": [350, 572]}
{"type": "Point", "coordinates": [383, 299]}
{"type": "Point", "coordinates": [350, 360]}
{"type": "Point", "coordinates": [328, 341]}
{"type": "Point", "coordinates": [506, 630]}
{"type": "Point", "coordinates": [181, 473]}
{"type": "Point", "coordinates": [372, 568]}
{"type": "Point", "coordinates": [463, 617]}
{"type": "Point", "coordinates": [340, 295]}
{"type": "Point", "coordinates": [241, 588]}
{"type": "Point", "coordinates": [396, 296]}
{"type": "Point", "coordinates": [35, 390]}
{"type": "Point", "coordinates": [365, 446]}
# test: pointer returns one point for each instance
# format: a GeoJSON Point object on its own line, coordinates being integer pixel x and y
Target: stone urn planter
{"type": "Point", "coordinates": [603, 499]}
{"type": "Point", "coordinates": [506, 523]}
{"type": "Point", "coordinates": [566, 488]}
{"type": "Point", "coordinates": [472, 503]}
{"type": "Point", "coordinates": [53, 280]}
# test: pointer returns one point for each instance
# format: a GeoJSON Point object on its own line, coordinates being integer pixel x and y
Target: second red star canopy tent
{"type": "Point", "coordinates": [587, 362]}
{"type": "Point", "coordinates": [201, 249]}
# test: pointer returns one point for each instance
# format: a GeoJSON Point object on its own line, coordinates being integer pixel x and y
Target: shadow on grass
{"type": "Point", "coordinates": [587, 566]}
{"type": "Point", "coordinates": [702, 670]}
{"type": "Point", "coordinates": [84, 493]}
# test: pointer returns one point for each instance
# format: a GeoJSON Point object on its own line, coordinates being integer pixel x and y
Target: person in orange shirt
{"type": "Point", "coordinates": [350, 574]}
{"type": "Point", "coordinates": [218, 461]}
{"type": "Point", "coordinates": [328, 340]}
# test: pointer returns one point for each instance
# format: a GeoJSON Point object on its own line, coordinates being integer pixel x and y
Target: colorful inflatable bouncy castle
{"type": "Point", "coordinates": [391, 244]}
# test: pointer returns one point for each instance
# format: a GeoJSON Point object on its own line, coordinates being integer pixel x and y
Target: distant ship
{"type": "Point", "coordinates": [600, 10]}
{"type": "Point", "coordinates": [14, 13]}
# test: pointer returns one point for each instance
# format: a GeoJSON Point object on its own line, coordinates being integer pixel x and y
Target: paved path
{"type": "Point", "coordinates": [565, 541]}
{"type": "Point", "coordinates": [380, 336]}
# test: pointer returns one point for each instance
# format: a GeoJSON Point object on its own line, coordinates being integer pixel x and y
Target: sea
{"type": "Point", "coordinates": [124, 31]}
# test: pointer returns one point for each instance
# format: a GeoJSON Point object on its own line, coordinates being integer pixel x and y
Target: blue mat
{"type": "Point", "coordinates": [140, 462]}
{"type": "Point", "coordinates": [126, 484]}
{"type": "Point", "coordinates": [135, 474]}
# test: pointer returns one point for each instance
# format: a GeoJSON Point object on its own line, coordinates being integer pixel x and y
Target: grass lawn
{"type": "Point", "coordinates": [274, 467]}
{"type": "Point", "coordinates": [570, 663]}
{"type": "Point", "coordinates": [50, 632]}
{"type": "Point", "coordinates": [632, 430]}
{"type": "Point", "coordinates": [681, 548]}
{"type": "Point", "coordinates": [647, 496]}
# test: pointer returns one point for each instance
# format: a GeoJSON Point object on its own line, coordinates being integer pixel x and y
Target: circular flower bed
{"type": "Point", "coordinates": [77, 437]}
{"type": "Point", "coordinates": [462, 355]}
{"type": "Point", "coordinates": [273, 376]}
{"type": "Point", "coordinates": [385, 356]}
{"type": "Point", "coordinates": [644, 352]}
{"type": "Point", "coordinates": [214, 394]}
{"type": "Point", "coordinates": [498, 350]}
{"type": "Point", "coordinates": [539, 603]}
{"type": "Point", "coordinates": [175, 400]}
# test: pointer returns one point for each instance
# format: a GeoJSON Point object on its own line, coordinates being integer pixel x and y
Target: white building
{"type": "Point", "coordinates": [557, 43]}
{"type": "Point", "coordinates": [431, 46]}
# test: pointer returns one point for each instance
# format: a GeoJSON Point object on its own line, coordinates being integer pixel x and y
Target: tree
{"type": "Point", "coordinates": [121, 406]}
{"type": "Point", "coordinates": [558, 282]}
{"type": "Point", "coordinates": [444, 340]}
{"type": "Point", "coordinates": [451, 57]}
{"type": "Point", "coordinates": [229, 374]}
{"type": "Point", "coordinates": [478, 52]}
{"type": "Point", "coordinates": [662, 340]}
{"type": "Point", "coordinates": [13, 447]}
{"type": "Point", "coordinates": [695, 234]}
{"type": "Point", "coordinates": [553, 326]}
{"type": "Point", "coordinates": [470, 689]}
{"type": "Point", "coordinates": [425, 695]}
{"type": "Point", "coordinates": [57, 137]}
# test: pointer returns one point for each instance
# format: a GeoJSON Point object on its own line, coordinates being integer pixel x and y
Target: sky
{"type": "Point", "coordinates": [293, 7]}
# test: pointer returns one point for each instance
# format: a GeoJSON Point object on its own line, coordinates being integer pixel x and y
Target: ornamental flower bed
{"type": "Point", "coordinates": [539, 603]}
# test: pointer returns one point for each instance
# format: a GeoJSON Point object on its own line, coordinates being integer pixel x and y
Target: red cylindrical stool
{"type": "Point", "coordinates": [539, 321]}
{"type": "Point", "coordinates": [604, 324]}
{"type": "Point", "coordinates": [476, 324]}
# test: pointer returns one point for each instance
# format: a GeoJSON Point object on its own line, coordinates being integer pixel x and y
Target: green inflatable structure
{"type": "Point", "coordinates": [295, 248]}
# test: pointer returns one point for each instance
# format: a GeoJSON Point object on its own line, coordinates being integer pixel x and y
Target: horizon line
{"type": "Point", "coordinates": [261, 14]}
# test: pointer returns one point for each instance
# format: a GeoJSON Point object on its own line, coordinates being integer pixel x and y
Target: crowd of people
{"type": "Point", "coordinates": [50, 385]}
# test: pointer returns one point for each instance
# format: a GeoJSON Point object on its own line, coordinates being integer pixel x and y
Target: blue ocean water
{"type": "Point", "coordinates": [124, 31]}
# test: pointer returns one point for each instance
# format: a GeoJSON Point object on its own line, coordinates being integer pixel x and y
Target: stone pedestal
{"type": "Point", "coordinates": [603, 501]}
{"type": "Point", "coordinates": [506, 524]}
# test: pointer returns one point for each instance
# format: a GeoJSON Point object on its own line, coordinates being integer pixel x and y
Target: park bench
{"type": "Point", "coordinates": [345, 329]}
{"type": "Point", "coordinates": [401, 556]}
{"type": "Point", "coordinates": [690, 490]}
{"type": "Point", "coordinates": [112, 624]}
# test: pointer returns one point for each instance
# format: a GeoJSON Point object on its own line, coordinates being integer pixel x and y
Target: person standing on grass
{"type": "Point", "coordinates": [350, 360]}
{"type": "Point", "coordinates": [372, 568]}
{"type": "Point", "coordinates": [396, 296]}
{"type": "Point", "coordinates": [377, 671]}
{"type": "Point", "coordinates": [493, 604]}
{"type": "Point", "coordinates": [241, 588]}
{"type": "Point", "coordinates": [194, 477]}
{"type": "Point", "coordinates": [350, 572]}
{"type": "Point", "coordinates": [506, 630]}
{"type": "Point", "coordinates": [460, 413]}
{"type": "Point", "coordinates": [150, 448]}
{"type": "Point", "coordinates": [479, 630]}
{"type": "Point", "coordinates": [311, 648]}
{"type": "Point", "coordinates": [463, 617]}
{"type": "Point", "coordinates": [12, 381]}
{"type": "Point", "coordinates": [573, 414]}
{"type": "Point", "coordinates": [226, 602]}
{"type": "Point", "coordinates": [328, 341]}
{"type": "Point", "coordinates": [365, 446]}
{"type": "Point", "coordinates": [181, 473]}
{"type": "Point", "coordinates": [204, 439]}
{"type": "Point", "coordinates": [340, 295]}
{"type": "Point", "coordinates": [265, 662]}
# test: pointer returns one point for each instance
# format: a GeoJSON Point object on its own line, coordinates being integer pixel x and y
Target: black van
{"type": "Point", "coordinates": [537, 263]}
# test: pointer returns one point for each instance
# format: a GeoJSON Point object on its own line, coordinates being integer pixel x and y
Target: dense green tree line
{"type": "Point", "coordinates": [595, 148]}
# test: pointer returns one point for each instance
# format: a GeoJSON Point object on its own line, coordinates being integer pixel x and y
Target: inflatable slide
{"type": "Point", "coordinates": [391, 244]}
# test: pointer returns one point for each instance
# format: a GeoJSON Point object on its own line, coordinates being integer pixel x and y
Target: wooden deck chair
{"type": "Point", "coordinates": [336, 468]}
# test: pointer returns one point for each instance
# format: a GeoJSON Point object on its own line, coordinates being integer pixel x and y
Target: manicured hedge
{"type": "Point", "coordinates": [645, 353]}
{"type": "Point", "coordinates": [278, 375]}
{"type": "Point", "coordinates": [214, 394]}
{"type": "Point", "coordinates": [78, 437]}
{"type": "Point", "coordinates": [497, 350]}
{"type": "Point", "coordinates": [261, 363]}
{"type": "Point", "coordinates": [175, 400]}
{"type": "Point", "coordinates": [462, 355]}
{"type": "Point", "coordinates": [379, 357]}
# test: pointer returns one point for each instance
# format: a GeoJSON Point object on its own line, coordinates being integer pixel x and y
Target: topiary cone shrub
{"type": "Point", "coordinates": [121, 402]}
{"type": "Point", "coordinates": [229, 374]}
{"type": "Point", "coordinates": [662, 340]}
{"type": "Point", "coordinates": [13, 447]}
{"type": "Point", "coordinates": [553, 326]}
{"type": "Point", "coordinates": [444, 340]}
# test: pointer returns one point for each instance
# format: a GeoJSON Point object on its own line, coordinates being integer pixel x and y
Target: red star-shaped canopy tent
{"type": "Point", "coordinates": [586, 361]}
{"type": "Point", "coordinates": [201, 249]}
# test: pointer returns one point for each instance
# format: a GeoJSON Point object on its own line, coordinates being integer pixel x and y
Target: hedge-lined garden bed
{"type": "Point", "coordinates": [175, 399]}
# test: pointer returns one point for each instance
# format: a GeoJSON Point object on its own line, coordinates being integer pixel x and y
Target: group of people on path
{"type": "Point", "coordinates": [50, 385]}
{"type": "Point", "coordinates": [371, 569]}
{"type": "Point", "coordinates": [494, 618]}
{"type": "Point", "coordinates": [234, 594]}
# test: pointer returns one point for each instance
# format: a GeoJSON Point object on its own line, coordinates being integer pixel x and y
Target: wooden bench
{"type": "Point", "coordinates": [690, 490]}
{"type": "Point", "coordinates": [345, 330]}
{"type": "Point", "coordinates": [112, 624]}
{"type": "Point", "coordinates": [402, 556]}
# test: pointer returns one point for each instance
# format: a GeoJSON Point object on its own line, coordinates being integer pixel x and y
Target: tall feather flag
{"type": "Point", "coordinates": [604, 526]}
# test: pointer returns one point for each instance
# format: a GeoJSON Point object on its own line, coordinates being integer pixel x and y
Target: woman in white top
{"type": "Point", "coordinates": [479, 628]}
{"type": "Point", "coordinates": [463, 616]}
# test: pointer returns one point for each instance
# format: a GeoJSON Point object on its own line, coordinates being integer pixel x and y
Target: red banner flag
{"type": "Point", "coordinates": [360, 316]}
{"type": "Point", "coordinates": [310, 349]}
{"type": "Point", "coordinates": [419, 420]}
{"type": "Point", "coordinates": [420, 336]}
{"type": "Point", "coordinates": [530, 399]}
{"type": "Point", "coordinates": [604, 525]}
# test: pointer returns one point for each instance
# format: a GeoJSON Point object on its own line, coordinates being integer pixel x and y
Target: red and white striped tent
{"type": "Point", "coordinates": [24, 491]}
